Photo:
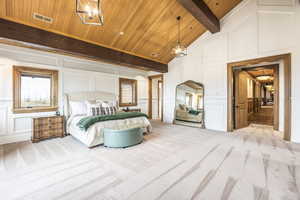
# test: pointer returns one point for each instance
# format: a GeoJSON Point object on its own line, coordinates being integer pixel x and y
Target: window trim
{"type": "Point", "coordinates": [130, 81]}
{"type": "Point", "coordinates": [17, 72]}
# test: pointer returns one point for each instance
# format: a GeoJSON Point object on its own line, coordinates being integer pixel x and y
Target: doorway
{"type": "Point", "coordinates": [256, 96]}
{"type": "Point", "coordinates": [285, 67]}
{"type": "Point", "coordinates": [155, 100]}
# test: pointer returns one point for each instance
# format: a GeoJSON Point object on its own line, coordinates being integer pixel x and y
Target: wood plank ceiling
{"type": "Point", "coordinates": [262, 71]}
{"type": "Point", "coordinates": [149, 27]}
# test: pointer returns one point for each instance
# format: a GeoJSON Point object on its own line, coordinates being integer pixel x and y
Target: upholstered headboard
{"type": "Point", "coordinates": [83, 96]}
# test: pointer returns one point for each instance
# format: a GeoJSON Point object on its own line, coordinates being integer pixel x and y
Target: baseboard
{"type": "Point", "coordinates": [5, 139]}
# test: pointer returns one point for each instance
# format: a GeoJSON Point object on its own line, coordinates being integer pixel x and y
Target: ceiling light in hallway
{"type": "Point", "coordinates": [264, 77]}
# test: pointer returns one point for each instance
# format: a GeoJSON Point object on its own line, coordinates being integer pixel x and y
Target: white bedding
{"type": "Point", "coordinates": [94, 135]}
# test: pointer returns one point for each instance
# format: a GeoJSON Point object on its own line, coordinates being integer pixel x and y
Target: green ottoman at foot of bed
{"type": "Point", "coordinates": [122, 138]}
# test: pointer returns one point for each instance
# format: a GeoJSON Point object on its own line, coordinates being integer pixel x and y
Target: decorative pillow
{"type": "Point", "coordinates": [111, 110]}
{"type": "Point", "coordinates": [78, 108]}
{"type": "Point", "coordinates": [94, 109]}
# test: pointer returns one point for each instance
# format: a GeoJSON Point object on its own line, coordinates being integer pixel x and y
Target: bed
{"type": "Point", "coordinates": [93, 136]}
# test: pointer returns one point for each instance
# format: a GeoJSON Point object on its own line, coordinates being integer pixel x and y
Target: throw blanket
{"type": "Point", "coordinates": [194, 112]}
{"type": "Point", "coordinates": [86, 122]}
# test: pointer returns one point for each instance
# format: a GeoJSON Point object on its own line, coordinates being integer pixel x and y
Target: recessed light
{"type": "Point", "coordinates": [121, 33]}
{"type": "Point", "coordinates": [155, 55]}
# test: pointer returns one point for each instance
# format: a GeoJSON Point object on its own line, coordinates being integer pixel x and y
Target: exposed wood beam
{"type": "Point", "coordinates": [66, 45]}
{"type": "Point", "coordinates": [202, 13]}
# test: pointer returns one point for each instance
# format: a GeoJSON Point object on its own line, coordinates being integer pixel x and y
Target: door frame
{"type": "Point", "coordinates": [275, 67]}
{"type": "Point", "coordinates": [159, 96]}
{"type": "Point", "coordinates": [150, 78]}
{"type": "Point", "coordinates": [286, 58]}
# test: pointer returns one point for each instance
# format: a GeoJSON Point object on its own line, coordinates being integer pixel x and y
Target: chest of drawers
{"type": "Point", "coordinates": [48, 127]}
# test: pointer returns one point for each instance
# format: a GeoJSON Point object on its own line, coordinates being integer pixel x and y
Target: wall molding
{"type": "Point", "coordinates": [11, 138]}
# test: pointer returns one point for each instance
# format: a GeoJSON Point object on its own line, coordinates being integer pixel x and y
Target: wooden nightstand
{"type": "Point", "coordinates": [132, 110]}
{"type": "Point", "coordinates": [48, 127]}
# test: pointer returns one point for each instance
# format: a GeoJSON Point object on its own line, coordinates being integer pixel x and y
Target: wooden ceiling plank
{"type": "Point", "coordinates": [128, 20]}
{"type": "Point", "coordinates": [202, 13]}
{"type": "Point", "coordinates": [144, 25]}
{"type": "Point", "coordinates": [105, 35]}
{"type": "Point", "coordinates": [2, 8]}
{"type": "Point", "coordinates": [152, 26]}
{"type": "Point", "coordinates": [153, 40]}
{"type": "Point", "coordinates": [45, 39]}
{"type": "Point", "coordinates": [143, 34]}
{"type": "Point", "coordinates": [197, 30]}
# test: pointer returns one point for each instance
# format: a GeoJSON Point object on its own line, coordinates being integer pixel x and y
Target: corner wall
{"type": "Point", "coordinates": [255, 28]}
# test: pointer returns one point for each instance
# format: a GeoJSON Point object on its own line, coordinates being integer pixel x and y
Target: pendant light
{"type": "Point", "coordinates": [90, 12]}
{"type": "Point", "coordinates": [179, 50]}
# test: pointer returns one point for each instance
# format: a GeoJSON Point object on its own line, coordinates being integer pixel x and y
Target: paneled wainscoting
{"type": "Point", "coordinates": [174, 162]}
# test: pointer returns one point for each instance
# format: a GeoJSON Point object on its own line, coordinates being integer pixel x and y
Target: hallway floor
{"type": "Point", "coordinates": [173, 163]}
{"type": "Point", "coordinates": [261, 130]}
{"type": "Point", "coordinates": [263, 116]}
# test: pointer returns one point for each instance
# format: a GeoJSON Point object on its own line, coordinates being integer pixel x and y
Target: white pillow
{"type": "Point", "coordinates": [109, 103]}
{"type": "Point", "coordinates": [78, 108]}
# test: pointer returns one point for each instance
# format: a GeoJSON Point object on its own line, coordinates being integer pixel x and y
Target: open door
{"type": "Point", "coordinates": [241, 100]}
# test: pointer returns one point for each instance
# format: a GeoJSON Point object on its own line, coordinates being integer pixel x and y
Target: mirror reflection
{"type": "Point", "coordinates": [190, 104]}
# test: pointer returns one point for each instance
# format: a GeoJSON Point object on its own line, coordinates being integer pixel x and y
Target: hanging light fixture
{"type": "Point", "coordinates": [90, 12]}
{"type": "Point", "coordinates": [179, 50]}
{"type": "Point", "coordinates": [265, 77]}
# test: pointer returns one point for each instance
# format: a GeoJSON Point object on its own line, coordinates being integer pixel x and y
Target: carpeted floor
{"type": "Point", "coordinates": [173, 163]}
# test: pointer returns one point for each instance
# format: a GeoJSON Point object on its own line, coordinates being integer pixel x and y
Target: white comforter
{"type": "Point", "coordinates": [94, 135]}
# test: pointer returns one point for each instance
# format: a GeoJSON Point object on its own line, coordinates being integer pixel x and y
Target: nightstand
{"type": "Point", "coordinates": [48, 127]}
{"type": "Point", "coordinates": [132, 110]}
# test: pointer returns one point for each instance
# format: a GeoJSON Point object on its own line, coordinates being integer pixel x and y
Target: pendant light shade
{"type": "Point", "coordinates": [90, 12]}
{"type": "Point", "coordinates": [179, 50]}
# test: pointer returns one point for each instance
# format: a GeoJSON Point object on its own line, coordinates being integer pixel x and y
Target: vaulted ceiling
{"type": "Point", "coordinates": [149, 26]}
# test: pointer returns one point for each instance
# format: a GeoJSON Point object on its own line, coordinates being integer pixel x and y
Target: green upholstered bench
{"type": "Point", "coordinates": [122, 138]}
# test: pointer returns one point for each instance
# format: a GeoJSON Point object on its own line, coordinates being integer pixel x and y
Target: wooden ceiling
{"type": "Point", "coordinates": [261, 71]}
{"type": "Point", "coordinates": [150, 27]}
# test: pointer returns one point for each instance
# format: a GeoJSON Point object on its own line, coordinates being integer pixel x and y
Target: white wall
{"type": "Point", "coordinates": [155, 99]}
{"type": "Point", "coordinates": [74, 75]}
{"type": "Point", "coordinates": [255, 28]}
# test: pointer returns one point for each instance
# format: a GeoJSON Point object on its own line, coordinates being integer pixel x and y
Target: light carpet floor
{"type": "Point", "coordinates": [173, 163]}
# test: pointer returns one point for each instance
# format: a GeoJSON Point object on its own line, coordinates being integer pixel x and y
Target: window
{"type": "Point", "coordinates": [199, 102]}
{"type": "Point", "coordinates": [189, 99]}
{"type": "Point", "coordinates": [35, 90]}
{"type": "Point", "coordinates": [127, 92]}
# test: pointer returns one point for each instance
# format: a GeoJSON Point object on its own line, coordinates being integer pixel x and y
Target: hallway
{"type": "Point", "coordinates": [263, 116]}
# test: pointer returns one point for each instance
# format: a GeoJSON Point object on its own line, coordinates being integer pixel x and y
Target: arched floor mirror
{"type": "Point", "coordinates": [189, 106]}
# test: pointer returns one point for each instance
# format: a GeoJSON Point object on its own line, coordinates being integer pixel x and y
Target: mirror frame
{"type": "Point", "coordinates": [201, 85]}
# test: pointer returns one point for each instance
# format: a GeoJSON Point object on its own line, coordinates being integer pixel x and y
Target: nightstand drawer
{"type": "Point", "coordinates": [48, 126]}
{"type": "Point", "coordinates": [44, 134]}
{"type": "Point", "coordinates": [50, 120]}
